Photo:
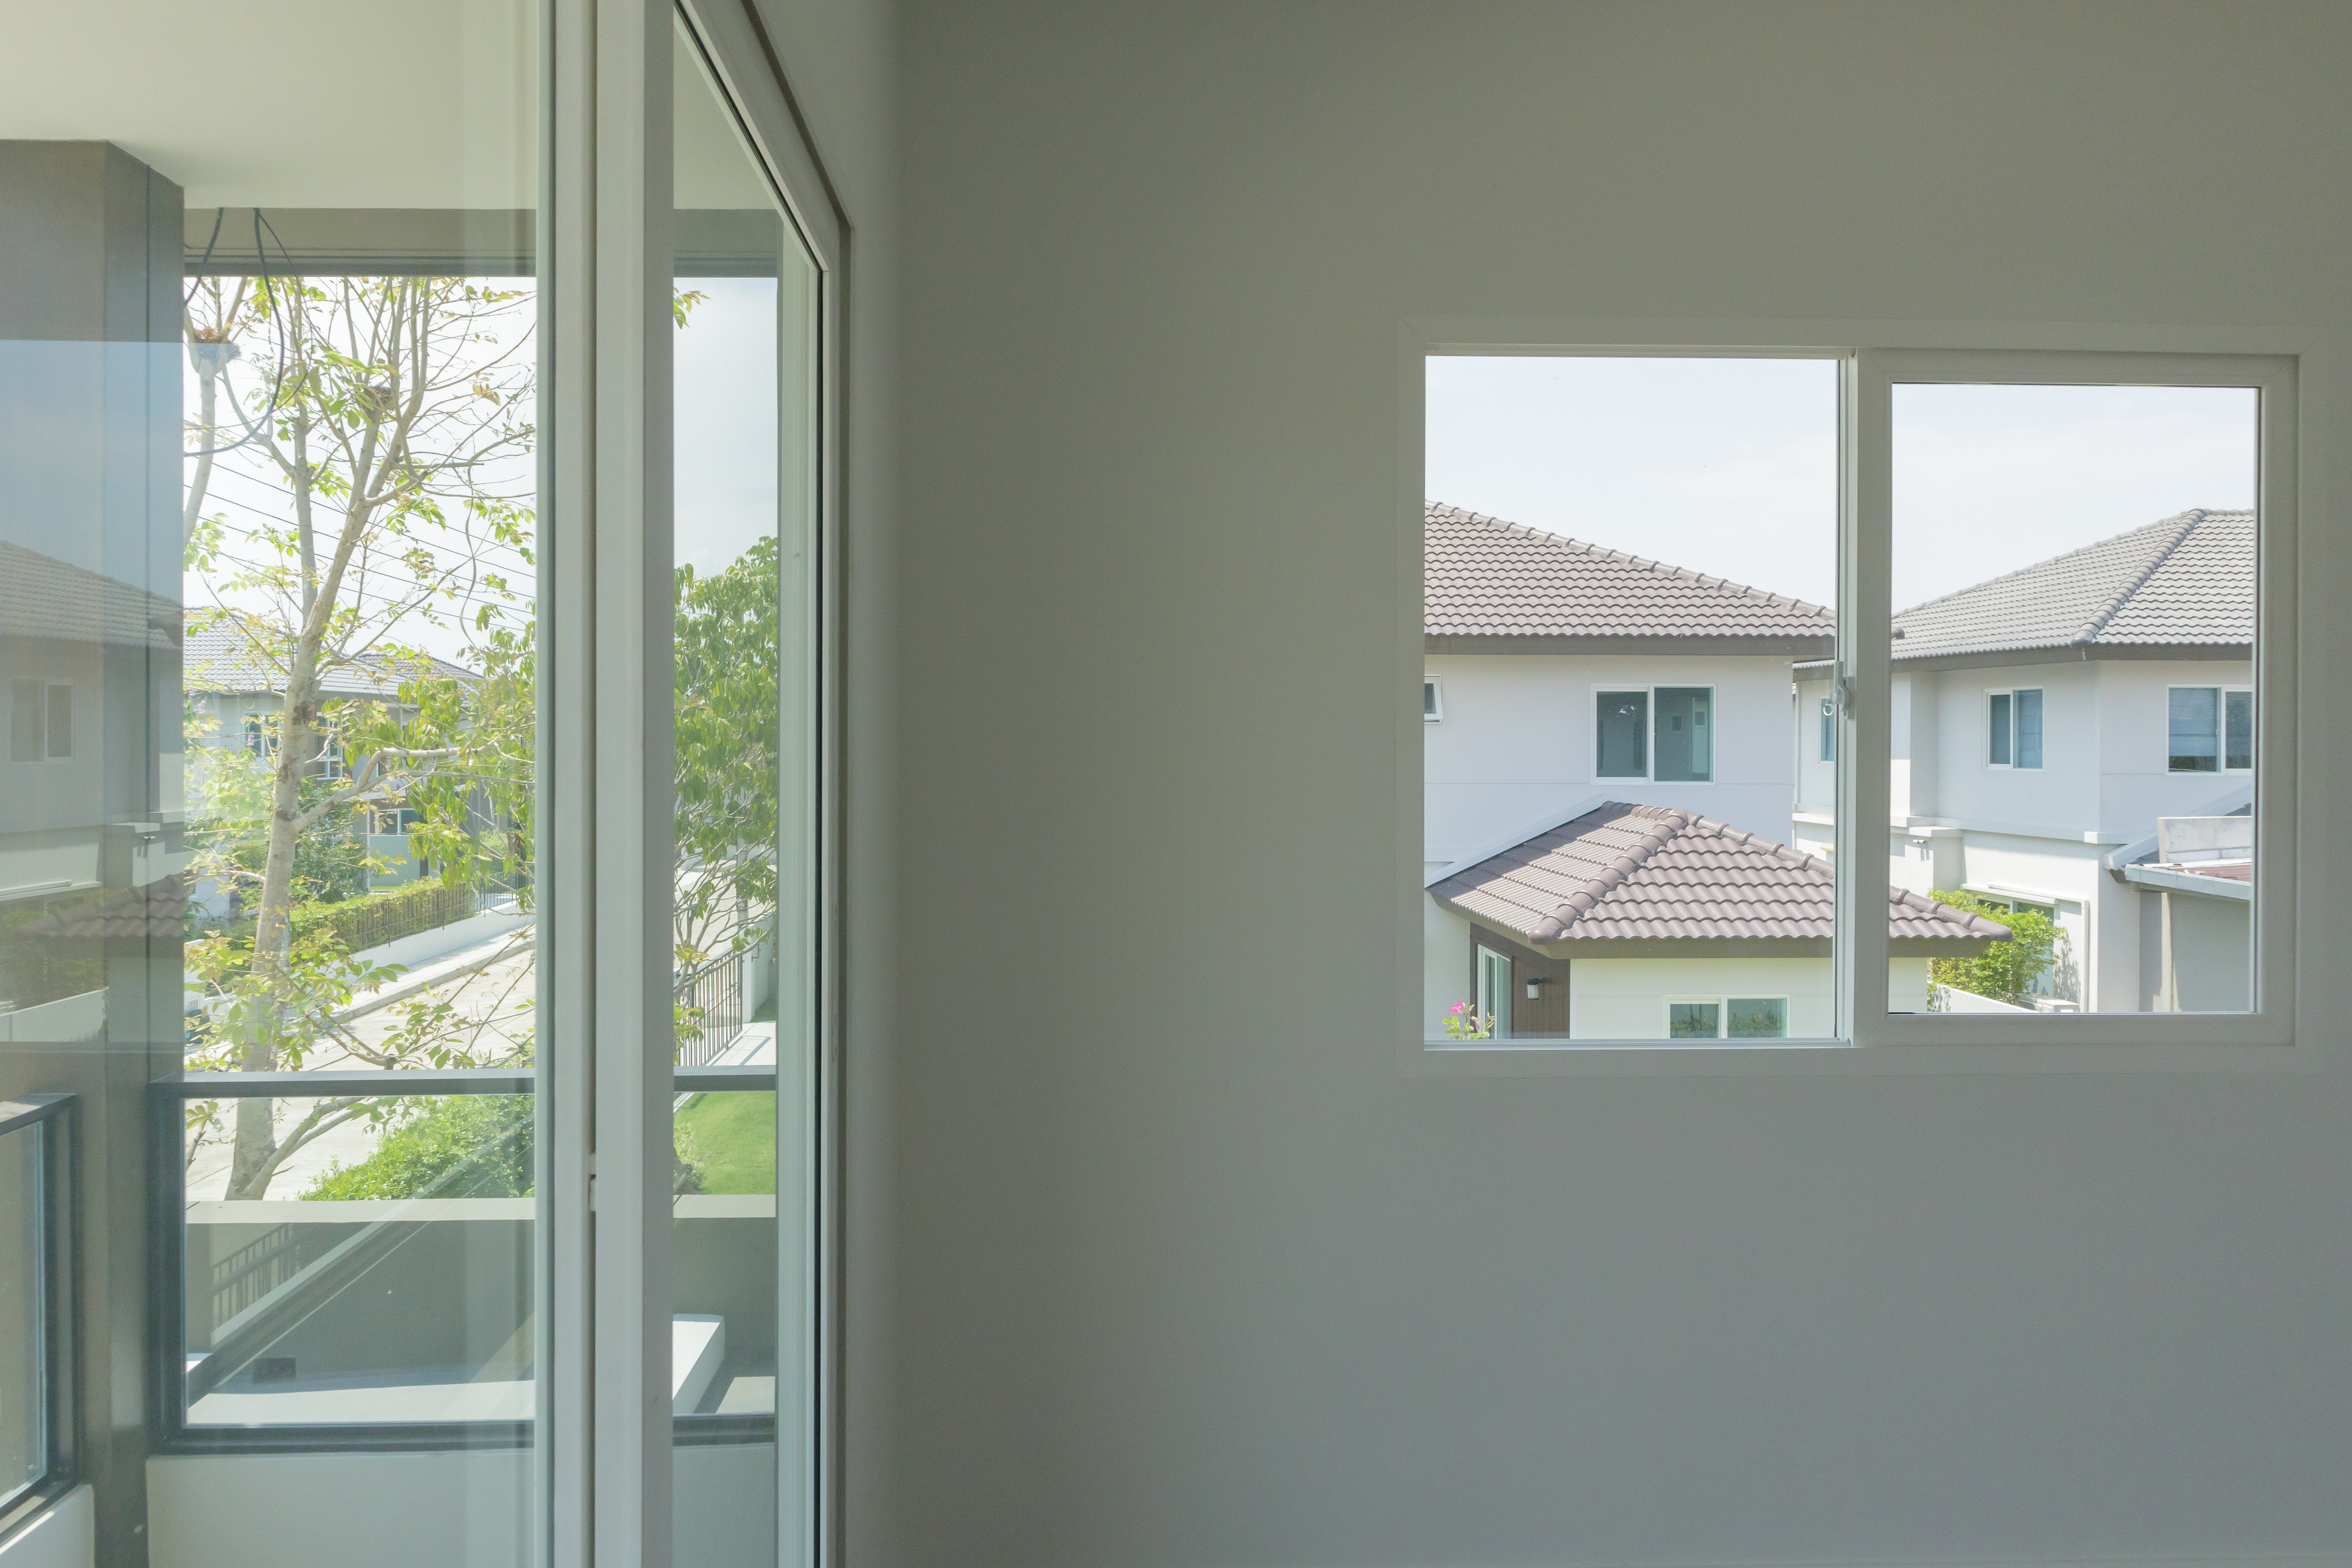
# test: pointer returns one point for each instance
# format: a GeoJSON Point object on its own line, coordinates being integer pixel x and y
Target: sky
{"type": "Point", "coordinates": [1729, 466]}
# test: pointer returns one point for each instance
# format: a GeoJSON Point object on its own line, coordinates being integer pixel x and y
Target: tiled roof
{"type": "Point", "coordinates": [41, 597]}
{"type": "Point", "coordinates": [238, 653]}
{"type": "Point", "coordinates": [156, 911]}
{"type": "Point", "coordinates": [1486, 577]}
{"type": "Point", "coordinates": [1658, 873]}
{"type": "Point", "coordinates": [2189, 579]}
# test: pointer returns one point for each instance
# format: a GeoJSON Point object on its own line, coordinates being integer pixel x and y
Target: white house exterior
{"type": "Point", "coordinates": [2044, 721]}
{"type": "Point", "coordinates": [1561, 679]}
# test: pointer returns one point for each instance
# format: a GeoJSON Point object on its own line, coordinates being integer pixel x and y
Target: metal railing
{"type": "Point", "coordinates": [709, 1009]}
{"type": "Point", "coordinates": [274, 1285]}
{"type": "Point", "coordinates": [38, 1130]}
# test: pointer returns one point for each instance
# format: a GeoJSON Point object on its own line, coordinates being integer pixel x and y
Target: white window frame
{"type": "Point", "coordinates": [1874, 355]}
{"type": "Point", "coordinates": [1650, 690]}
{"type": "Point", "coordinates": [1722, 1005]}
{"type": "Point", "coordinates": [2222, 695]}
{"type": "Point", "coordinates": [1433, 699]}
{"type": "Point", "coordinates": [1826, 741]}
{"type": "Point", "coordinates": [2013, 693]}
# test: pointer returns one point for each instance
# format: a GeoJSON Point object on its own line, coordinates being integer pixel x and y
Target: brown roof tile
{"type": "Point", "coordinates": [1660, 873]}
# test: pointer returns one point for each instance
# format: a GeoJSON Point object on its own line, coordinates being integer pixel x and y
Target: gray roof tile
{"type": "Point", "coordinates": [1651, 872]}
{"type": "Point", "coordinates": [1486, 577]}
{"type": "Point", "coordinates": [238, 653]}
{"type": "Point", "coordinates": [41, 597]}
{"type": "Point", "coordinates": [2189, 579]}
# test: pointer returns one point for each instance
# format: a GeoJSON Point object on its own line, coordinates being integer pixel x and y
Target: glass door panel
{"type": "Point", "coordinates": [745, 404]}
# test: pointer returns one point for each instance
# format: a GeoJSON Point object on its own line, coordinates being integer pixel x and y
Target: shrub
{"type": "Point", "coordinates": [464, 1146]}
{"type": "Point", "coordinates": [2007, 970]}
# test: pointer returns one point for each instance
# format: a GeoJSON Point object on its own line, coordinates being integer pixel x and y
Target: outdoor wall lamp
{"type": "Point", "coordinates": [1534, 988]}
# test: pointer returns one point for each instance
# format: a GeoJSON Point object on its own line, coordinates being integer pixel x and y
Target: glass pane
{"type": "Point", "coordinates": [1756, 1017]}
{"type": "Point", "coordinates": [385, 1281]}
{"type": "Point", "coordinates": [1686, 739]}
{"type": "Point", "coordinates": [2029, 729]}
{"type": "Point", "coordinates": [268, 515]}
{"type": "Point", "coordinates": [746, 408]}
{"type": "Point", "coordinates": [23, 1331]}
{"type": "Point", "coordinates": [2076, 564]}
{"type": "Point", "coordinates": [1627, 569]}
{"type": "Point", "coordinates": [2196, 739]}
{"type": "Point", "coordinates": [2240, 753]}
{"type": "Point", "coordinates": [1623, 740]}
{"type": "Point", "coordinates": [1693, 1020]}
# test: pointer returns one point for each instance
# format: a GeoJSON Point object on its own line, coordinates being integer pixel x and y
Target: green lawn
{"type": "Point", "coordinates": [732, 1139]}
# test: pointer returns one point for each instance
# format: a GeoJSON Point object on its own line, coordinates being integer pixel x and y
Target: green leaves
{"type": "Point", "coordinates": [2007, 971]}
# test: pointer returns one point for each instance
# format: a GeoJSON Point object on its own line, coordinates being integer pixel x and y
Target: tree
{"type": "Point", "coordinates": [390, 417]}
{"type": "Point", "coordinates": [727, 757]}
{"type": "Point", "coordinates": [2006, 970]}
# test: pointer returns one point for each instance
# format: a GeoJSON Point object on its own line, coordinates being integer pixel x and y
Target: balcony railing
{"type": "Point", "coordinates": [308, 1322]}
{"type": "Point", "coordinates": [37, 1319]}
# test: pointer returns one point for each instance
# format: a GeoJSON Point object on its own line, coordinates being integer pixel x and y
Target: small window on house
{"type": "Point", "coordinates": [1622, 749]}
{"type": "Point", "coordinates": [40, 721]}
{"type": "Point", "coordinates": [1829, 730]}
{"type": "Point", "coordinates": [257, 733]}
{"type": "Point", "coordinates": [1433, 701]}
{"type": "Point", "coordinates": [1495, 990]}
{"type": "Point", "coordinates": [2013, 728]}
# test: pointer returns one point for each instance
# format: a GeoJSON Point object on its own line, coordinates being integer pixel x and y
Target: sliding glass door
{"type": "Point", "coordinates": [410, 586]}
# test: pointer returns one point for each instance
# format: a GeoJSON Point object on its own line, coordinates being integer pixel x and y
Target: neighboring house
{"type": "Point", "coordinates": [1654, 923]}
{"type": "Point", "coordinates": [236, 682]}
{"type": "Point", "coordinates": [2046, 719]}
{"type": "Point", "coordinates": [82, 651]}
{"type": "Point", "coordinates": [1559, 674]}
{"type": "Point", "coordinates": [90, 837]}
{"type": "Point", "coordinates": [1570, 692]}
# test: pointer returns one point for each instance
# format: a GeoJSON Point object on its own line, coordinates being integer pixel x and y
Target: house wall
{"type": "Point", "coordinates": [1625, 998]}
{"type": "Point", "coordinates": [1517, 745]}
{"type": "Point", "coordinates": [1190, 1271]}
{"type": "Point", "coordinates": [2212, 941]}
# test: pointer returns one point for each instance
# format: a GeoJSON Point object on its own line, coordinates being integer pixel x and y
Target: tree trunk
{"type": "Point", "coordinates": [257, 1143]}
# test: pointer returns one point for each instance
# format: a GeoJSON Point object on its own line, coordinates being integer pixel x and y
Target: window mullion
{"type": "Point", "coordinates": [1864, 611]}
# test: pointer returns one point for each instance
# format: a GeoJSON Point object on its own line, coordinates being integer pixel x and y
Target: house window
{"type": "Point", "coordinates": [1662, 733]}
{"type": "Point", "coordinates": [1495, 990]}
{"type": "Point", "coordinates": [2209, 729]}
{"type": "Point", "coordinates": [2013, 728]}
{"type": "Point", "coordinates": [1433, 701]}
{"type": "Point", "coordinates": [1728, 1018]}
{"type": "Point", "coordinates": [40, 721]}
{"type": "Point", "coordinates": [258, 739]}
{"type": "Point", "coordinates": [1829, 730]}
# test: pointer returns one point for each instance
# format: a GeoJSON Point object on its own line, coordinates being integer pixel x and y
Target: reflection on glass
{"type": "Point", "coordinates": [745, 405]}
{"type": "Point", "coordinates": [389, 1283]}
{"type": "Point", "coordinates": [2074, 697]}
{"type": "Point", "coordinates": [267, 533]}
{"type": "Point", "coordinates": [1627, 810]}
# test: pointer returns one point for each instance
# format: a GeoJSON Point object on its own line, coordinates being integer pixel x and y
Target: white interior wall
{"type": "Point", "coordinates": [1188, 1271]}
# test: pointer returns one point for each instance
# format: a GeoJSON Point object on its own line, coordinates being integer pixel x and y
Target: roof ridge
{"type": "Point", "coordinates": [1664, 568]}
{"type": "Point", "coordinates": [1674, 821]}
{"type": "Point", "coordinates": [2116, 602]}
